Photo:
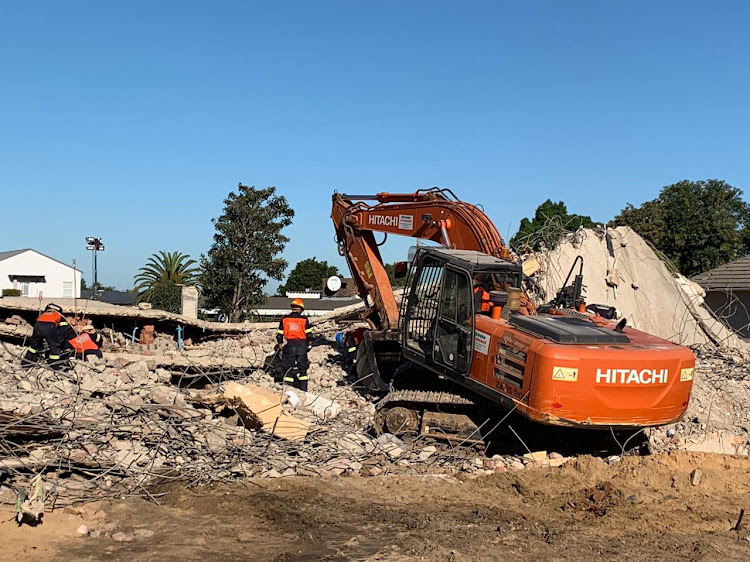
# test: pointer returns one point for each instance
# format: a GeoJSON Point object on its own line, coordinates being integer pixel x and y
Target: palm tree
{"type": "Point", "coordinates": [170, 268]}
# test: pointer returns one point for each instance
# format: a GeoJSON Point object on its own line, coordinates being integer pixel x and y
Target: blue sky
{"type": "Point", "coordinates": [132, 121]}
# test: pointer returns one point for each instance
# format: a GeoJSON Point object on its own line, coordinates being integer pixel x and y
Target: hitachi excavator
{"type": "Point", "coordinates": [558, 365]}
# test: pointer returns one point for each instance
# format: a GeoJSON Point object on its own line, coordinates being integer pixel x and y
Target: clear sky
{"type": "Point", "coordinates": [131, 121]}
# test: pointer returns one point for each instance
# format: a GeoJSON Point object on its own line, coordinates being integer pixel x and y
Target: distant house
{"type": "Point", "coordinates": [728, 293]}
{"type": "Point", "coordinates": [37, 275]}
{"type": "Point", "coordinates": [315, 305]}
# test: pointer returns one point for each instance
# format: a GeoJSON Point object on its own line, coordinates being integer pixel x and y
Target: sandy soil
{"type": "Point", "coordinates": [638, 509]}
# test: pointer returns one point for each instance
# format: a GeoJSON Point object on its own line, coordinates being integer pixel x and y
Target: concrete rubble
{"type": "Point", "coordinates": [209, 410]}
{"type": "Point", "coordinates": [620, 269]}
{"type": "Point", "coordinates": [117, 427]}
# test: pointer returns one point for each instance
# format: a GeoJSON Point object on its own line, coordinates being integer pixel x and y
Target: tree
{"type": "Point", "coordinates": [244, 254]}
{"type": "Point", "coordinates": [166, 296]}
{"type": "Point", "coordinates": [97, 286]}
{"type": "Point", "coordinates": [550, 223]}
{"type": "Point", "coordinates": [390, 269]}
{"type": "Point", "coordinates": [697, 225]}
{"type": "Point", "coordinates": [307, 274]}
{"type": "Point", "coordinates": [165, 267]}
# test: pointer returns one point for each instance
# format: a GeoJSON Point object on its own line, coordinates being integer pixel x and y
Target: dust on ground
{"type": "Point", "coordinates": [641, 508]}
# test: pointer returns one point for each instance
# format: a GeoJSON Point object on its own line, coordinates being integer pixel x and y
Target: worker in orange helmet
{"type": "Point", "coordinates": [296, 330]}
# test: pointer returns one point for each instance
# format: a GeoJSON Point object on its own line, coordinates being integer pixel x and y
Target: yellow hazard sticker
{"type": "Point", "coordinates": [368, 269]}
{"type": "Point", "coordinates": [567, 374]}
{"type": "Point", "coordinates": [686, 374]}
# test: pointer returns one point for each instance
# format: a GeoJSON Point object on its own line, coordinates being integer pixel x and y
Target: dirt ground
{"type": "Point", "coordinates": [638, 509]}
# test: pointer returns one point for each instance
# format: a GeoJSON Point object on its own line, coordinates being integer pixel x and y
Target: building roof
{"type": "Point", "coordinates": [283, 303]}
{"type": "Point", "coordinates": [111, 297]}
{"type": "Point", "coordinates": [11, 253]}
{"type": "Point", "coordinates": [734, 275]}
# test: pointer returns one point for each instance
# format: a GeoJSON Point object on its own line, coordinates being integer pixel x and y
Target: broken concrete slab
{"type": "Point", "coordinates": [266, 406]}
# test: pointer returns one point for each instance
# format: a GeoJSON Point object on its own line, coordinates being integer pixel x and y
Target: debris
{"type": "Point", "coordinates": [82, 530]}
{"type": "Point", "coordinates": [537, 456]}
{"type": "Point", "coordinates": [695, 477]}
{"type": "Point", "coordinates": [266, 407]}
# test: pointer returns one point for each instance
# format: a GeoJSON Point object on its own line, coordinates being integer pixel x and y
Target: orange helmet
{"type": "Point", "coordinates": [298, 302]}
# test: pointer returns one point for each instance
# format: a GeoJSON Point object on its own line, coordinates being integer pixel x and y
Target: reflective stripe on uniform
{"type": "Point", "coordinates": [303, 377]}
{"type": "Point", "coordinates": [308, 330]}
{"type": "Point", "coordinates": [63, 324]}
{"type": "Point", "coordinates": [32, 350]}
{"type": "Point", "coordinates": [288, 379]}
{"type": "Point", "coordinates": [279, 331]}
{"type": "Point", "coordinates": [54, 357]}
{"type": "Point", "coordinates": [352, 349]}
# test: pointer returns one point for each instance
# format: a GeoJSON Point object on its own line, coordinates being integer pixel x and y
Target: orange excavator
{"type": "Point", "coordinates": [465, 335]}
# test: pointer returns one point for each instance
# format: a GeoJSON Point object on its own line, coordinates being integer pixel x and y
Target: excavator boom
{"type": "Point", "coordinates": [431, 214]}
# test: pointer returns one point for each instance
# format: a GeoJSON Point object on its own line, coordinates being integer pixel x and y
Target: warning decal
{"type": "Point", "coordinates": [567, 374]}
{"type": "Point", "coordinates": [686, 374]}
{"type": "Point", "coordinates": [406, 222]}
{"type": "Point", "coordinates": [481, 342]}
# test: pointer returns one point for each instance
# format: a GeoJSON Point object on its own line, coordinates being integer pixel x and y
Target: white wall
{"type": "Point", "coordinates": [57, 276]}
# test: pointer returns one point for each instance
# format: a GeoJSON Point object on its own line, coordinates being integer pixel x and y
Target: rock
{"type": "Point", "coordinates": [427, 452]}
{"type": "Point", "coordinates": [143, 533]}
{"type": "Point", "coordinates": [554, 456]}
{"type": "Point", "coordinates": [391, 445]}
{"type": "Point", "coordinates": [536, 456]}
{"type": "Point", "coordinates": [516, 465]}
{"type": "Point", "coordinates": [78, 455]}
{"type": "Point", "coordinates": [273, 473]}
{"type": "Point", "coordinates": [82, 530]}
{"type": "Point", "coordinates": [122, 537]}
{"type": "Point", "coordinates": [695, 477]}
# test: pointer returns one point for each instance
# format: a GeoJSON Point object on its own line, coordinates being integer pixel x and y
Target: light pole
{"type": "Point", "coordinates": [95, 245]}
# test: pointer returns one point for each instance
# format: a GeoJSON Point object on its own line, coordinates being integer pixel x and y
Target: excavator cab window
{"type": "Point", "coordinates": [453, 341]}
{"type": "Point", "coordinates": [422, 306]}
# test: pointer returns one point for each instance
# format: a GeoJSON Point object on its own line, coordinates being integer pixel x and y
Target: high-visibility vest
{"type": "Point", "coordinates": [294, 327]}
{"type": "Point", "coordinates": [83, 343]}
{"type": "Point", "coordinates": [484, 299]}
{"type": "Point", "coordinates": [51, 316]}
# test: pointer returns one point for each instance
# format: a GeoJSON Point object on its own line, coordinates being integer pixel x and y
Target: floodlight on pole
{"type": "Point", "coordinates": [95, 245]}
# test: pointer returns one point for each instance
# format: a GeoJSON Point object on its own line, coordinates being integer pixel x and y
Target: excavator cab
{"type": "Point", "coordinates": [438, 309]}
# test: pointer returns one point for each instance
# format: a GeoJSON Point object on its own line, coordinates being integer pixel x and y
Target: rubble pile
{"type": "Point", "coordinates": [620, 269]}
{"type": "Point", "coordinates": [117, 427]}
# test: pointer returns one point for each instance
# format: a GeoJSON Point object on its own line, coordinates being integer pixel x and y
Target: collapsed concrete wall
{"type": "Point", "coordinates": [620, 269]}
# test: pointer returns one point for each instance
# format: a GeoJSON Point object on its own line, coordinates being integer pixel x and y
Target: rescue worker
{"type": "Point", "coordinates": [87, 343]}
{"type": "Point", "coordinates": [51, 327]}
{"type": "Point", "coordinates": [482, 303]}
{"type": "Point", "coordinates": [296, 330]}
{"type": "Point", "coordinates": [351, 341]}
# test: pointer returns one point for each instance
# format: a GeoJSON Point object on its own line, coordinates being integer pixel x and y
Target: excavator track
{"type": "Point", "coordinates": [431, 413]}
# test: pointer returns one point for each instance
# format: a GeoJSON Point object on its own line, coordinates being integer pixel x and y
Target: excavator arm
{"type": "Point", "coordinates": [431, 214]}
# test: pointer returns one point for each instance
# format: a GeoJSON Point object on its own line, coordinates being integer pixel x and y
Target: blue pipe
{"type": "Point", "coordinates": [132, 339]}
{"type": "Point", "coordinates": [179, 337]}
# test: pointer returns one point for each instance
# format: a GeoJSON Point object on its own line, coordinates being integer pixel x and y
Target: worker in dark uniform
{"type": "Point", "coordinates": [87, 343]}
{"type": "Point", "coordinates": [296, 330]}
{"type": "Point", "coordinates": [51, 327]}
{"type": "Point", "coordinates": [352, 339]}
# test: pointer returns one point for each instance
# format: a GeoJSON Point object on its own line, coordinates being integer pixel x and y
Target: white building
{"type": "Point", "coordinates": [38, 275]}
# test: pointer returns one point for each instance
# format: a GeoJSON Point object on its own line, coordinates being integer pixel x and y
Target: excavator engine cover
{"type": "Point", "coordinates": [563, 329]}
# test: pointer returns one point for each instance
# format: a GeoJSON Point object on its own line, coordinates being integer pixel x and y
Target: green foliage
{"type": "Point", "coordinates": [390, 269]}
{"type": "Point", "coordinates": [697, 225]}
{"type": "Point", "coordinates": [307, 274]}
{"type": "Point", "coordinates": [96, 286]}
{"type": "Point", "coordinates": [550, 223]}
{"type": "Point", "coordinates": [164, 267]}
{"type": "Point", "coordinates": [166, 295]}
{"type": "Point", "coordinates": [244, 254]}
{"type": "Point", "coordinates": [11, 292]}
